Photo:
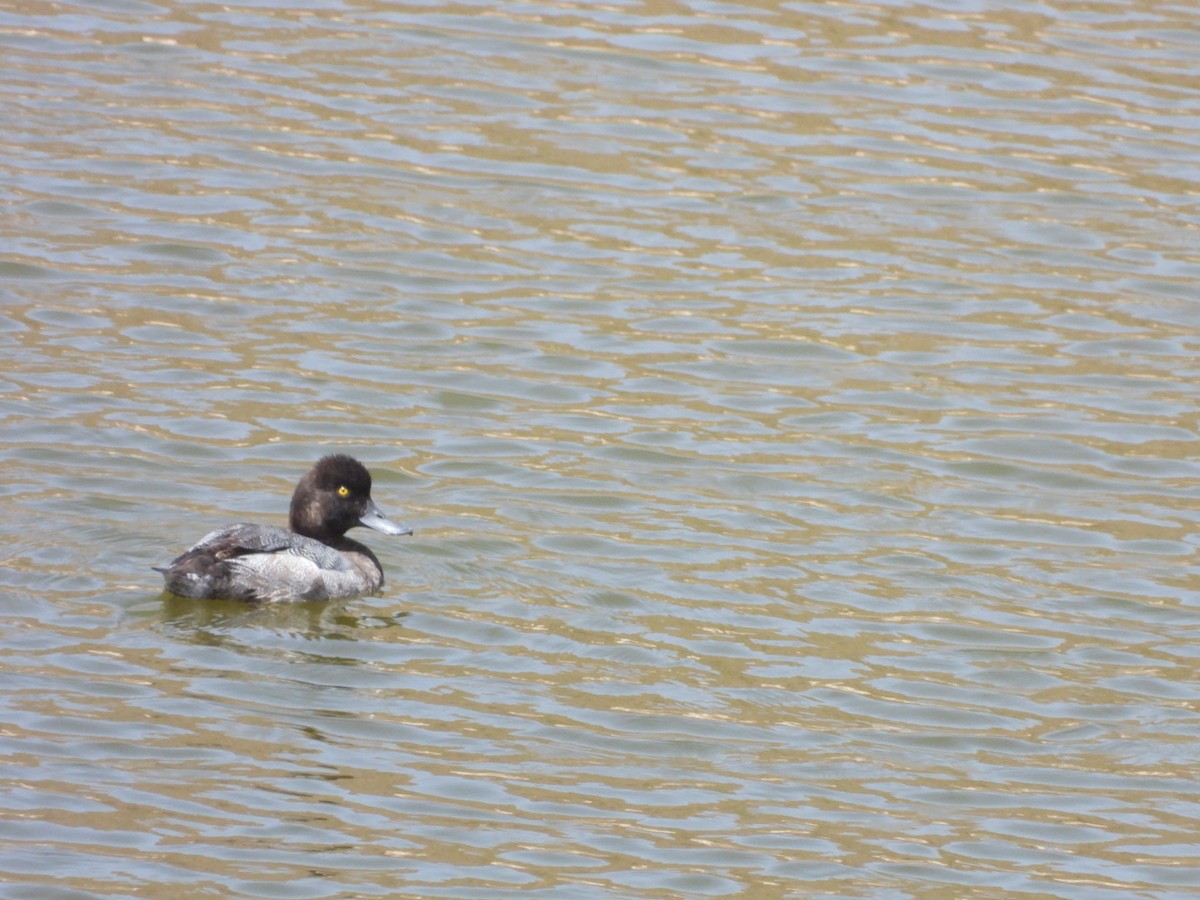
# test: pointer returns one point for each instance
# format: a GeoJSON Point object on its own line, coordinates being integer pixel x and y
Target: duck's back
{"type": "Point", "coordinates": [264, 563]}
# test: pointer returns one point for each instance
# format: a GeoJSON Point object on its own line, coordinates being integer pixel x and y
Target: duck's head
{"type": "Point", "coordinates": [335, 496]}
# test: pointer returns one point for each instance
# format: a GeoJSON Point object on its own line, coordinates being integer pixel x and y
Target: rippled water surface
{"type": "Point", "coordinates": [796, 404]}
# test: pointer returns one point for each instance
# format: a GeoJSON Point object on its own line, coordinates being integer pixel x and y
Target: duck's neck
{"type": "Point", "coordinates": [362, 558]}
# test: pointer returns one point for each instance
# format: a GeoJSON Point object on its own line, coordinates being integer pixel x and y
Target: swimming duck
{"type": "Point", "coordinates": [310, 560]}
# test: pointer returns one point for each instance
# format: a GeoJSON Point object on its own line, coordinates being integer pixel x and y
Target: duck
{"type": "Point", "coordinates": [311, 559]}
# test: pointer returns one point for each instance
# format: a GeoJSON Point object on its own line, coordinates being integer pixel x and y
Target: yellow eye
{"type": "Point", "coordinates": [343, 491]}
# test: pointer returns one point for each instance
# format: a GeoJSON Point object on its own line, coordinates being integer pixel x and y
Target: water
{"type": "Point", "coordinates": [796, 407]}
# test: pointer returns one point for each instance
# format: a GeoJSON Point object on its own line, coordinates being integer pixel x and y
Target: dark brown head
{"type": "Point", "coordinates": [335, 496]}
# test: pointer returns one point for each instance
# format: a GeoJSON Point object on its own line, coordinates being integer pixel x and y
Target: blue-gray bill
{"type": "Point", "coordinates": [373, 517]}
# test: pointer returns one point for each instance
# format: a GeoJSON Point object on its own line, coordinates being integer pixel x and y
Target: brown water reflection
{"type": "Point", "coordinates": [796, 407]}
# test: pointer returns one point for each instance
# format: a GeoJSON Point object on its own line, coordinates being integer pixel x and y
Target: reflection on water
{"type": "Point", "coordinates": [796, 408]}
